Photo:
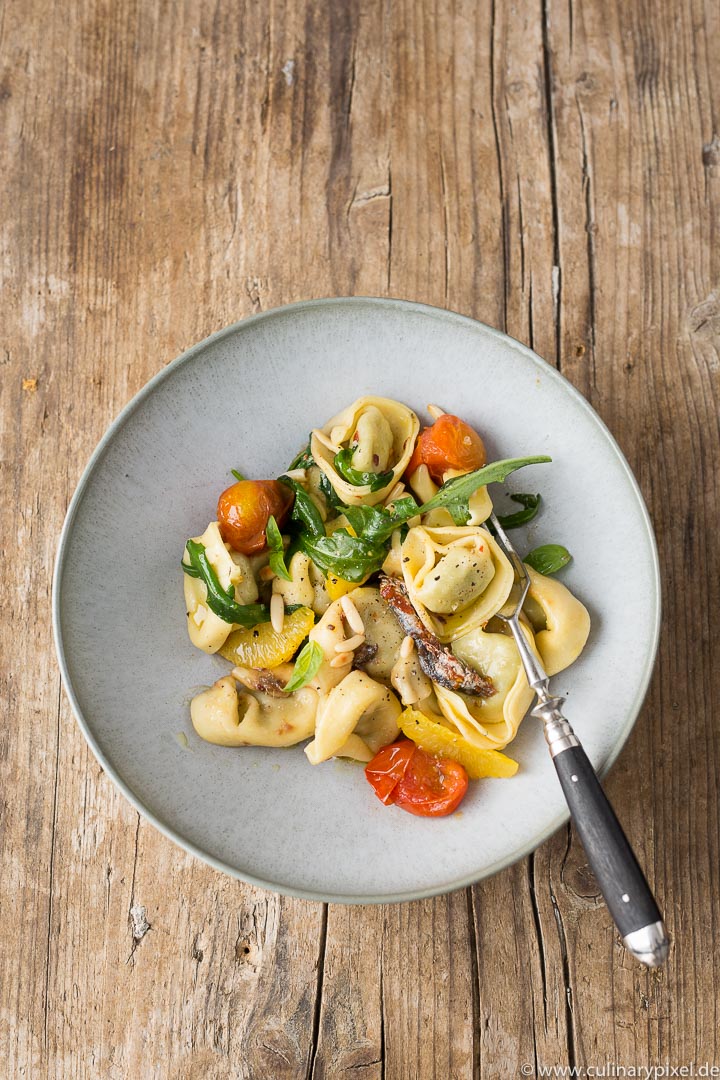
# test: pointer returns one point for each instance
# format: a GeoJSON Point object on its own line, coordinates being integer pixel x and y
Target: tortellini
{"type": "Point", "coordinates": [307, 588]}
{"type": "Point", "coordinates": [222, 716]}
{"type": "Point", "coordinates": [328, 633]}
{"type": "Point", "coordinates": [383, 636]}
{"type": "Point", "coordinates": [424, 487]}
{"type": "Point", "coordinates": [356, 718]}
{"type": "Point", "coordinates": [456, 576]}
{"type": "Point", "coordinates": [489, 723]}
{"type": "Point", "coordinates": [206, 629]}
{"type": "Point", "coordinates": [560, 622]}
{"type": "Point", "coordinates": [381, 433]}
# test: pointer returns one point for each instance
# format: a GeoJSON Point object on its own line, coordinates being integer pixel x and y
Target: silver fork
{"type": "Point", "coordinates": [622, 882]}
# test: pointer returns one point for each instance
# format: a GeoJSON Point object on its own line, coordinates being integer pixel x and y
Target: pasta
{"type": "Point", "coordinates": [366, 581]}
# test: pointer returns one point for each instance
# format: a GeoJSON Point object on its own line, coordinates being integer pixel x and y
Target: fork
{"type": "Point", "coordinates": [622, 882]}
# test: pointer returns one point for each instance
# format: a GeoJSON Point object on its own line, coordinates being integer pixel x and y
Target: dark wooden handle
{"type": "Point", "coordinates": [613, 861]}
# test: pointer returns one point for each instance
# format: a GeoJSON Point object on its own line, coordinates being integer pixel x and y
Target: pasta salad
{"type": "Point", "coordinates": [356, 600]}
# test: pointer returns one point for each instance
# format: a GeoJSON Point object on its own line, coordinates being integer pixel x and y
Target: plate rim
{"type": "Point", "coordinates": [119, 422]}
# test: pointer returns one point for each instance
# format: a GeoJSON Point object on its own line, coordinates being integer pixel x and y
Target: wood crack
{"type": "Point", "coordinates": [475, 983]}
{"type": "Point", "coordinates": [317, 1013]}
{"type": "Point", "coordinates": [590, 232]}
{"type": "Point", "coordinates": [565, 963]}
{"type": "Point", "coordinates": [46, 1000]}
{"type": "Point", "coordinates": [504, 213]}
{"type": "Point", "coordinates": [552, 162]}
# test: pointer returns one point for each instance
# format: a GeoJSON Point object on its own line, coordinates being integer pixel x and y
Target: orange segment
{"type": "Point", "coordinates": [439, 740]}
{"type": "Point", "coordinates": [261, 647]}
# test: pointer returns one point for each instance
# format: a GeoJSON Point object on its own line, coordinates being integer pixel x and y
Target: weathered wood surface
{"type": "Point", "coordinates": [552, 168]}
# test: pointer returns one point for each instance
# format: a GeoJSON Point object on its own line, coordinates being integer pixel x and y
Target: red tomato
{"type": "Point", "coordinates": [449, 444]}
{"type": "Point", "coordinates": [243, 511]}
{"type": "Point", "coordinates": [388, 767]}
{"type": "Point", "coordinates": [431, 787]}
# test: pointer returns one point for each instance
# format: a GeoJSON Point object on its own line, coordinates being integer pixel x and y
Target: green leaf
{"type": "Point", "coordinates": [343, 464]}
{"type": "Point", "coordinates": [350, 557]}
{"type": "Point", "coordinates": [376, 524]}
{"type": "Point", "coordinates": [238, 475]}
{"type": "Point", "coordinates": [306, 666]}
{"type": "Point", "coordinates": [304, 509]}
{"type": "Point", "coordinates": [220, 601]}
{"type": "Point", "coordinates": [531, 503]}
{"type": "Point", "coordinates": [548, 559]}
{"type": "Point", "coordinates": [303, 460]}
{"type": "Point", "coordinates": [456, 493]}
{"type": "Point", "coordinates": [277, 549]}
{"type": "Point", "coordinates": [329, 493]}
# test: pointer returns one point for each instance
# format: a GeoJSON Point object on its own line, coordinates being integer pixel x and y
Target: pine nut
{"type": "Point", "coordinates": [351, 644]}
{"type": "Point", "coordinates": [341, 659]}
{"type": "Point", "coordinates": [352, 615]}
{"type": "Point", "coordinates": [435, 411]}
{"type": "Point", "coordinates": [407, 647]}
{"type": "Point", "coordinates": [297, 474]}
{"type": "Point", "coordinates": [277, 612]}
{"type": "Point", "coordinates": [266, 574]}
{"type": "Point", "coordinates": [396, 492]}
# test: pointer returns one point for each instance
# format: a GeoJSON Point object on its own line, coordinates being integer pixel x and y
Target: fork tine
{"type": "Point", "coordinates": [516, 561]}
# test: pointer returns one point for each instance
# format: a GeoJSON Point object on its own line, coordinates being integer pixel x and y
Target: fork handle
{"type": "Point", "coordinates": [622, 882]}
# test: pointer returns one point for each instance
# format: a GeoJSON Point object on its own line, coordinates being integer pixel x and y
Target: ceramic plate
{"type": "Point", "coordinates": [245, 399]}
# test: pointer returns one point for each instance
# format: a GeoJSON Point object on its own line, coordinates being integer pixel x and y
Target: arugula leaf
{"type": "Point", "coordinates": [376, 524]}
{"type": "Point", "coordinates": [350, 557]}
{"type": "Point", "coordinates": [343, 463]}
{"type": "Point", "coordinates": [303, 460]}
{"type": "Point", "coordinates": [306, 666]}
{"type": "Point", "coordinates": [237, 474]}
{"type": "Point", "coordinates": [220, 601]}
{"type": "Point", "coordinates": [329, 493]}
{"type": "Point", "coordinates": [304, 509]}
{"type": "Point", "coordinates": [521, 517]}
{"type": "Point", "coordinates": [277, 549]}
{"type": "Point", "coordinates": [548, 559]}
{"type": "Point", "coordinates": [455, 494]}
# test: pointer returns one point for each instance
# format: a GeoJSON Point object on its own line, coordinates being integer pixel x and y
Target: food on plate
{"type": "Point", "coordinates": [358, 598]}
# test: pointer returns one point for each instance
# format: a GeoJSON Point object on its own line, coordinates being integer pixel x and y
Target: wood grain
{"type": "Point", "coordinates": [552, 168]}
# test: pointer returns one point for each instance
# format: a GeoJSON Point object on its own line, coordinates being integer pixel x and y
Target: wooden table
{"type": "Point", "coordinates": [552, 169]}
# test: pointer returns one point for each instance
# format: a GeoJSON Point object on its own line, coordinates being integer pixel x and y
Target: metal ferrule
{"type": "Point", "coordinates": [650, 944]}
{"type": "Point", "coordinates": [559, 735]}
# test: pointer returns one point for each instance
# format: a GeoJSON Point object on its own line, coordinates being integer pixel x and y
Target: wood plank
{"type": "Point", "coordinates": [553, 169]}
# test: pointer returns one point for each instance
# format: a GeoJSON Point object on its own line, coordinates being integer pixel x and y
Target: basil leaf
{"type": "Point", "coordinates": [303, 460]}
{"type": "Point", "coordinates": [521, 517]}
{"type": "Point", "coordinates": [304, 509]}
{"type": "Point", "coordinates": [548, 559]}
{"type": "Point", "coordinates": [306, 666]}
{"type": "Point", "coordinates": [220, 601]}
{"type": "Point", "coordinates": [350, 557]}
{"type": "Point", "coordinates": [342, 462]}
{"type": "Point", "coordinates": [238, 475]}
{"type": "Point", "coordinates": [455, 494]}
{"type": "Point", "coordinates": [277, 549]}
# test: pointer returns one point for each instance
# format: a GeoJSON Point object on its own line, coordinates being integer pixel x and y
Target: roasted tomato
{"type": "Point", "coordinates": [431, 786]}
{"type": "Point", "coordinates": [388, 767]}
{"type": "Point", "coordinates": [415, 781]}
{"type": "Point", "coordinates": [449, 443]}
{"type": "Point", "coordinates": [243, 511]}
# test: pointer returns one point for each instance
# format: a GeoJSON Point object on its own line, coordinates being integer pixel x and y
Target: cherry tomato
{"type": "Point", "coordinates": [243, 511]}
{"type": "Point", "coordinates": [388, 767]}
{"type": "Point", "coordinates": [431, 786]}
{"type": "Point", "coordinates": [449, 443]}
